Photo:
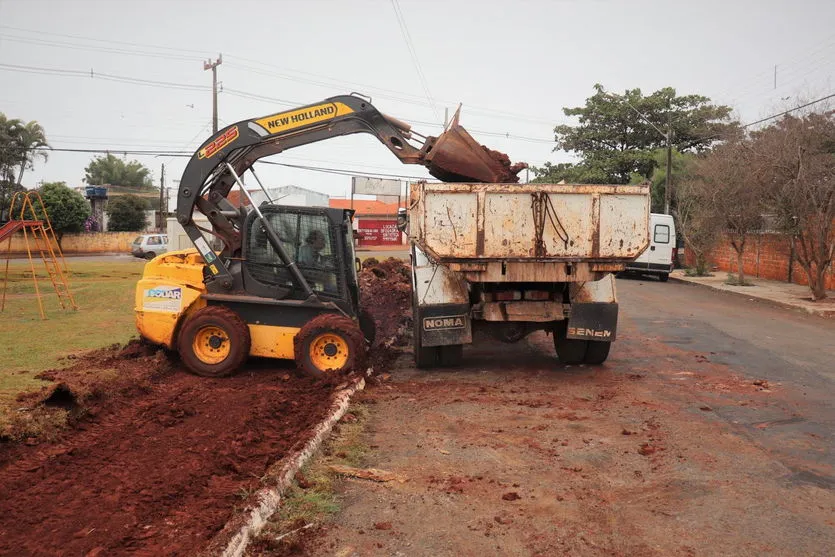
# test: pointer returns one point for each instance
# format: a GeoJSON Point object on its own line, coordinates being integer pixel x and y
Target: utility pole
{"type": "Point", "coordinates": [163, 209]}
{"type": "Point", "coordinates": [209, 65]}
{"type": "Point", "coordinates": [668, 179]}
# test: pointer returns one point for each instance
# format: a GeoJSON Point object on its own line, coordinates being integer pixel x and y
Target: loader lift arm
{"type": "Point", "coordinates": [220, 161]}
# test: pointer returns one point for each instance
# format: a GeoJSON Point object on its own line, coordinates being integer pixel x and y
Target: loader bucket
{"type": "Point", "coordinates": [455, 156]}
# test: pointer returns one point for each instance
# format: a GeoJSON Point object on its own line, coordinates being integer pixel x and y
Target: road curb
{"type": "Point", "coordinates": [826, 314]}
{"type": "Point", "coordinates": [234, 538]}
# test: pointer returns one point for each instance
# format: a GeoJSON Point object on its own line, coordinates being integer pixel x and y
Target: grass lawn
{"type": "Point", "coordinates": [104, 293]}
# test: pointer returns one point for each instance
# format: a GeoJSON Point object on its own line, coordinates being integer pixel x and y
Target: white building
{"type": "Point", "coordinates": [292, 195]}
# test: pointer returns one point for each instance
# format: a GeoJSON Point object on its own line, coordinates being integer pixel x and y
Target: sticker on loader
{"type": "Point", "coordinates": [163, 298]}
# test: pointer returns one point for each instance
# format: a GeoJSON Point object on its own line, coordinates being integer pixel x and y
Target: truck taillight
{"type": "Point", "coordinates": [507, 295]}
{"type": "Point", "coordinates": [537, 295]}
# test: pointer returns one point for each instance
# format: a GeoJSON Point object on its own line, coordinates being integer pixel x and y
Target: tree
{"type": "Point", "coordinates": [126, 213]}
{"type": "Point", "coordinates": [110, 169]}
{"type": "Point", "coordinates": [32, 139]}
{"type": "Point", "coordinates": [67, 209]}
{"type": "Point", "coordinates": [680, 162]}
{"type": "Point", "coordinates": [614, 141]}
{"type": "Point", "coordinates": [699, 226]}
{"type": "Point", "coordinates": [10, 157]}
{"type": "Point", "coordinates": [796, 164]}
{"type": "Point", "coordinates": [732, 194]}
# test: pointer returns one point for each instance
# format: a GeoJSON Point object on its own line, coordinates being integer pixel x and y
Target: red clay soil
{"type": "Point", "coordinates": [386, 294]}
{"type": "Point", "coordinates": [155, 462]}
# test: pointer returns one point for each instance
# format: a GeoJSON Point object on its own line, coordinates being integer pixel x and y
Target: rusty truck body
{"type": "Point", "coordinates": [505, 260]}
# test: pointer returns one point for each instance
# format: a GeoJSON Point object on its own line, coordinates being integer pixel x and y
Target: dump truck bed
{"type": "Point", "coordinates": [472, 223]}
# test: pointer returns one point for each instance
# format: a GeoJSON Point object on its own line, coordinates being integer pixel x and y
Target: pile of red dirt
{"type": "Point", "coordinates": [386, 294]}
{"type": "Point", "coordinates": [155, 459]}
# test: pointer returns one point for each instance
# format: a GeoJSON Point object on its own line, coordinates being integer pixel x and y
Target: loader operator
{"type": "Point", "coordinates": [310, 254]}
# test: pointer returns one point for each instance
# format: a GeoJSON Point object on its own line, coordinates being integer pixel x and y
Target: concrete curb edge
{"type": "Point", "coordinates": [826, 314]}
{"type": "Point", "coordinates": [269, 498]}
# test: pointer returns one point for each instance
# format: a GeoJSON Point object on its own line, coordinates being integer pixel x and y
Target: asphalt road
{"type": "Point", "coordinates": [708, 432]}
{"type": "Point", "coordinates": [784, 347]}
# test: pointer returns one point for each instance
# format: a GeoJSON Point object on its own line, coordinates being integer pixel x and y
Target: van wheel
{"type": "Point", "coordinates": [597, 352]}
{"type": "Point", "coordinates": [664, 277]}
{"type": "Point", "coordinates": [150, 255]}
{"type": "Point", "coordinates": [214, 342]}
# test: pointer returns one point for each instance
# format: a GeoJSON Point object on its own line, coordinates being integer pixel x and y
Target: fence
{"type": "Point", "coordinates": [92, 243]}
{"type": "Point", "coordinates": [767, 255]}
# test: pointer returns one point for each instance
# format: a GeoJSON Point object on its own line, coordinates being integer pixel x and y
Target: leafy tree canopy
{"type": "Point", "coordinates": [20, 144]}
{"type": "Point", "coordinates": [67, 208]}
{"type": "Point", "coordinates": [112, 170]}
{"type": "Point", "coordinates": [614, 141]}
{"type": "Point", "coordinates": [126, 213]}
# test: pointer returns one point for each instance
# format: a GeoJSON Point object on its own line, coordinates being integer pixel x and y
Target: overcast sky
{"type": "Point", "coordinates": [514, 65]}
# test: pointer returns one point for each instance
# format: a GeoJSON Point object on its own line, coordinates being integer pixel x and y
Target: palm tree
{"type": "Point", "coordinates": [32, 142]}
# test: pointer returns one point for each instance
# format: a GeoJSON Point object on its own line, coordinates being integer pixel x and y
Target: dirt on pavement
{"type": "Point", "coordinates": [515, 454]}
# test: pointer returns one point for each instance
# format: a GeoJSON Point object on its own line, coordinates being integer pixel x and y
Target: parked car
{"type": "Point", "coordinates": [149, 246]}
{"type": "Point", "coordinates": [659, 258]}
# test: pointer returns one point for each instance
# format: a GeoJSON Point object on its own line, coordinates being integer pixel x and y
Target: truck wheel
{"type": "Point", "coordinates": [451, 355]}
{"type": "Point", "coordinates": [329, 344]}
{"type": "Point", "coordinates": [214, 342]}
{"type": "Point", "coordinates": [664, 277]}
{"type": "Point", "coordinates": [425, 357]}
{"type": "Point", "coordinates": [597, 352]}
{"type": "Point", "coordinates": [368, 326]}
{"type": "Point", "coordinates": [569, 351]}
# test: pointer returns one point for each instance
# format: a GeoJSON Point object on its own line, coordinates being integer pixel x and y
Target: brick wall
{"type": "Point", "coordinates": [767, 256]}
{"type": "Point", "coordinates": [100, 242]}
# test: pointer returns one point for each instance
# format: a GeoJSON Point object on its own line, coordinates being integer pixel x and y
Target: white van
{"type": "Point", "coordinates": [659, 257]}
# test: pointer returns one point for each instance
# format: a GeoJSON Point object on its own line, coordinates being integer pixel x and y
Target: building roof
{"type": "Point", "coordinates": [234, 196]}
{"type": "Point", "coordinates": [364, 207]}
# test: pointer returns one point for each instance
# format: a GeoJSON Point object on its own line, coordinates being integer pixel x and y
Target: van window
{"type": "Point", "coordinates": [154, 241]}
{"type": "Point", "coordinates": [661, 234]}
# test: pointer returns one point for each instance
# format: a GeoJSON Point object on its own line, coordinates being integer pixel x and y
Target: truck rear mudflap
{"type": "Point", "coordinates": [593, 321]}
{"type": "Point", "coordinates": [445, 324]}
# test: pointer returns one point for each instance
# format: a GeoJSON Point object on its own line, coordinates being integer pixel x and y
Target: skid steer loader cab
{"type": "Point", "coordinates": [317, 240]}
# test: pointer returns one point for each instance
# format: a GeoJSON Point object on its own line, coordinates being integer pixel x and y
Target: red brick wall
{"type": "Point", "coordinates": [766, 256]}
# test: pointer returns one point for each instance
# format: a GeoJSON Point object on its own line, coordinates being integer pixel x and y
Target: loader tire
{"type": "Point", "coordinates": [329, 344]}
{"type": "Point", "coordinates": [569, 351]}
{"type": "Point", "coordinates": [214, 342]}
{"type": "Point", "coordinates": [597, 352]}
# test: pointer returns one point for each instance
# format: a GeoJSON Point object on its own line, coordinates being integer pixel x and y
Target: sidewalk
{"type": "Point", "coordinates": [784, 294]}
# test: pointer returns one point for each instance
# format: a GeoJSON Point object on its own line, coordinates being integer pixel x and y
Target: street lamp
{"type": "Point", "coordinates": [668, 138]}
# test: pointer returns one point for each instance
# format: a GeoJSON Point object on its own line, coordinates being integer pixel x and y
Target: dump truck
{"type": "Point", "coordinates": [504, 260]}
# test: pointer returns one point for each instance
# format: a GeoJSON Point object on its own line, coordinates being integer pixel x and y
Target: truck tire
{"type": "Point", "coordinates": [425, 357]}
{"type": "Point", "coordinates": [368, 326]}
{"type": "Point", "coordinates": [664, 277]}
{"type": "Point", "coordinates": [569, 351]}
{"type": "Point", "coordinates": [214, 342]}
{"type": "Point", "coordinates": [329, 344]}
{"type": "Point", "coordinates": [451, 355]}
{"type": "Point", "coordinates": [597, 352]}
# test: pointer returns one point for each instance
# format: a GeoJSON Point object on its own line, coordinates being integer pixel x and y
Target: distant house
{"type": "Point", "coordinates": [375, 222]}
{"type": "Point", "coordinates": [281, 195]}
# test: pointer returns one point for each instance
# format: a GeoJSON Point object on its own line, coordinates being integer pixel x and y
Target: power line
{"type": "Point", "coordinates": [104, 76]}
{"type": "Point", "coordinates": [404, 30]}
{"type": "Point", "coordinates": [189, 154]}
{"type": "Point", "coordinates": [810, 103]}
